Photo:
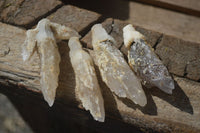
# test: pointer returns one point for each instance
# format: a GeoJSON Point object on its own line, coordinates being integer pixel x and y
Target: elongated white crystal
{"type": "Point", "coordinates": [145, 62]}
{"type": "Point", "coordinates": [43, 38]}
{"type": "Point", "coordinates": [114, 70]}
{"type": "Point", "coordinates": [87, 87]}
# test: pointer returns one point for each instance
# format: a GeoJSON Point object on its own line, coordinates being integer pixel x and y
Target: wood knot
{"type": "Point", "coordinates": [5, 49]}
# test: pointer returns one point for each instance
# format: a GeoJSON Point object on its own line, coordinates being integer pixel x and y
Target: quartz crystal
{"type": "Point", "coordinates": [43, 38]}
{"type": "Point", "coordinates": [87, 87]}
{"type": "Point", "coordinates": [114, 70]}
{"type": "Point", "coordinates": [144, 61]}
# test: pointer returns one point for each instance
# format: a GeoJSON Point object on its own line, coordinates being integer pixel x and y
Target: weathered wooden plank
{"type": "Point", "coordinates": [181, 57]}
{"type": "Point", "coordinates": [26, 12]}
{"type": "Point", "coordinates": [191, 7]}
{"type": "Point", "coordinates": [172, 23]}
{"type": "Point", "coordinates": [179, 112]}
{"type": "Point", "coordinates": [74, 17]}
{"type": "Point", "coordinates": [61, 117]}
{"type": "Point", "coordinates": [191, 4]}
{"type": "Point", "coordinates": [150, 17]}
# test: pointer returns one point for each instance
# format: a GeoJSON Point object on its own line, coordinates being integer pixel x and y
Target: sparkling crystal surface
{"type": "Point", "coordinates": [145, 62]}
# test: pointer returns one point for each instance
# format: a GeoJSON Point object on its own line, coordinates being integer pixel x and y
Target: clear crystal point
{"type": "Point", "coordinates": [114, 70]}
{"type": "Point", "coordinates": [43, 38]}
{"type": "Point", "coordinates": [145, 62]}
{"type": "Point", "coordinates": [87, 87]}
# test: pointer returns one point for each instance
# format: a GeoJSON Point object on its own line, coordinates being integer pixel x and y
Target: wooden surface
{"type": "Point", "coordinates": [179, 112]}
{"type": "Point", "coordinates": [190, 7]}
{"type": "Point", "coordinates": [26, 13]}
{"type": "Point", "coordinates": [171, 23]}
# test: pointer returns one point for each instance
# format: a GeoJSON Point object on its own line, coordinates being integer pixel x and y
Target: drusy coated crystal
{"type": "Point", "coordinates": [145, 62]}
{"type": "Point", "coordinates": [114, 70]}
{"type": "Point", "coordinates": [43, 38]}
{"type": "Point", "coordinates": [87, 87]}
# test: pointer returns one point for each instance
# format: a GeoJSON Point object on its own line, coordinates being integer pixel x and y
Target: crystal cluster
{"type": "Point", "coordinates": [114, 70]}
{"type": "Point", "coordinates": [144, 61]}
{"type": "Point", "coordinates": [44, 38]}
{"type": "Point", "coordinates": [87, 87]}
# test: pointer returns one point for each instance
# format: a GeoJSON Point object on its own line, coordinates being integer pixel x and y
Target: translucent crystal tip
{"type": "Point", "coordinates": [99, 34]}
{"type": "Point", "coordinates": [100, 119]}
{"type": "Point", "coordinates": [74, 43]}
{"type": "Point", "coordinates": [130, 35]}
{"type": "Point", "coordinates": [165, 84]}
{"type": "Point", "coordinates": [49, 101]}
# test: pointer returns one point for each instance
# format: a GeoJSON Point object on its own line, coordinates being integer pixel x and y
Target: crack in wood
{"type": "Point", "coordinates": [112, 26]}
{"type": "Point", "coordinates": [185, 71]}
{"type": "Point", "coordinates": [36, 20]}
{"type": "Point", "coordinates": [158, 41]}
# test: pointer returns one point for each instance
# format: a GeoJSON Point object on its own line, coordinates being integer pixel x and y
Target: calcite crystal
{"type": "Point", "coordinates": [87, 87]}
{"type": "Point", "coordinates": [145, 62]}
{"type": "Point", "coordinates": [114, 70]}
{"type": "Point", "coordinates": [43, 38]}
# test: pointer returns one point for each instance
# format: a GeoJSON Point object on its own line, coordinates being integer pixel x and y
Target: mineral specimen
{"type": "Point", "coordinates": [87, 87]}
{"type": "Point", "coordinates": [144, 61]}
{"type": "Point", "coordinates": [114, 70]}
{"type": "Point", "coordinates": [43, 38]}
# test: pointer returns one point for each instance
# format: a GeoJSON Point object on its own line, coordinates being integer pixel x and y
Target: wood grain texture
{"type": "Point", "coordinates": [74, 17]}
{"type": "Point", "coordinates": [169, 22]}
{"type": "Point", "coordinates": [179, 112]}
{"type": "Point", "coordinates": [191, 7]}
{"type": "Point", "coordinates": [26, 12]}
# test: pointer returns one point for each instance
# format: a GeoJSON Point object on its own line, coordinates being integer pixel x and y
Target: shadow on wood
{"type": "Point", "coordinates": [150, 108]}
{"type": "Point", "coordinates": [61, 117]}
{"type": "Point", "coordinates": [108, 8]}
{"type": "Point", "coordinates": [178, 98]}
